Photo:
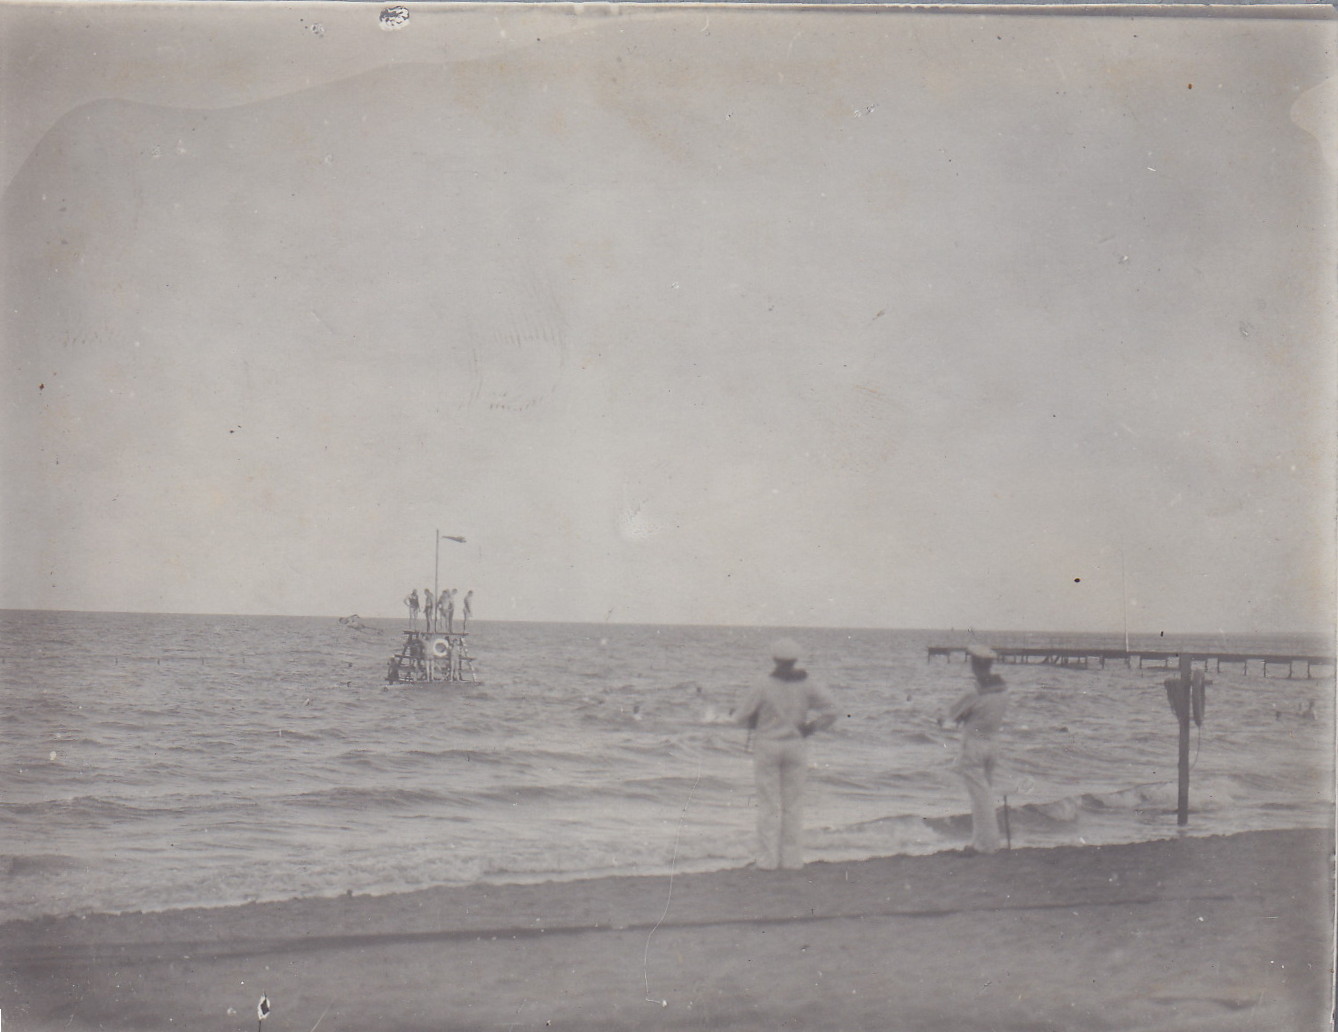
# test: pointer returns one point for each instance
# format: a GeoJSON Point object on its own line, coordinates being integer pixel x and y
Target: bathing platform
{"type": "Point", "coordinates": [1084, 659]}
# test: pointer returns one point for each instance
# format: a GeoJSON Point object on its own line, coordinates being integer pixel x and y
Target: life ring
{"type": "Point", "coordinates": [441, 648]}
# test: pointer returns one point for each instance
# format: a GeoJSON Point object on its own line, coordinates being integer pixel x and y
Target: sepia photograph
{"type": "Point", "coordinates": [670, 516]}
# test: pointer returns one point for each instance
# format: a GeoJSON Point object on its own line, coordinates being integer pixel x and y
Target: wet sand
{"type": "Point", "coordinates": [1225, 933]}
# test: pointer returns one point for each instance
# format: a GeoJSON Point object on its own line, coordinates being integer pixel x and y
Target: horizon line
{"type": "Point", "coordinates": [965, 630]}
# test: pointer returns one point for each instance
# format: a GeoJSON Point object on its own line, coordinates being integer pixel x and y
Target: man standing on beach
{"type": "Point", "coordinates": [776, 711]}
{"type": "Point", "coordinates": [980, 714]}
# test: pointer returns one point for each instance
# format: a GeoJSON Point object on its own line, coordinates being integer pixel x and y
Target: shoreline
{"type": "Point", "coordinates": [1220, 932]}
{"type": "Point", "coordinates": [687, 868]}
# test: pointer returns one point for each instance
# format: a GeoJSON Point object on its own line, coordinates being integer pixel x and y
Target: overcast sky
{"type": "Point", "coordinates": [791, 317]}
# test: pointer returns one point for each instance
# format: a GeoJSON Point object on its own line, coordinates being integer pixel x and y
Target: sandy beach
{"type": "Point", "coordinates": [1223, 933]}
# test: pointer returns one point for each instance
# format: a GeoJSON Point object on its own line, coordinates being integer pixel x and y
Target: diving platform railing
{"type": "Point", "coordinates": [1084, 659]}
{"type": "Point", "coordinates": [432, 656]}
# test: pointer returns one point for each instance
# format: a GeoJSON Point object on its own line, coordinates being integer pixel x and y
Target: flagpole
{"type": "Point", "coordinates": [1124, 601]}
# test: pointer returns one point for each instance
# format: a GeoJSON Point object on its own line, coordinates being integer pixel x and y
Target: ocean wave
{"type": "Point", "coordinates": [380, 798]}
{"type": "Point", "coordinates": [530, 792]}
{"type": "Point", "coordinates": [101, 812]}
{"type": "Point", "coordinates": [1047, 815]}
{"type": "Point", "coordinates": [1067, 810]}
{"type": "Point", "coordinates": [1156, 794]}
{"type": "Point", "coordinates": [300, 736]}
{"type": "Point", "coordinates": [38, 864]}
{"type": "Point", "coordinates": [483, 756]}
{"type": "Point", "coordinates": [395, 761]}
{"type": "Point", "coordinates": [671, 787]}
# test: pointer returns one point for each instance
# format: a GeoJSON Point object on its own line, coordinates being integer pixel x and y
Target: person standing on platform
{"type": "Point", "coordinates": [429, 609]}
{"type": "Point", "coordinates": [417, 666]}
{"type": "Point", "coordinates": [980, 713]}
{"type": "Point", "coordinates": [412, 602]}
{"type": "Point", "coordinates": [776, 710]}
{"type": "Point", "coordinates": [468, 608]}
{"type": "Point", "coordinates": [449, 611]}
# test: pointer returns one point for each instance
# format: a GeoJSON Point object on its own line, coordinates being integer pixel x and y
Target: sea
{"type": "Point", "coordinates": [154, 762]}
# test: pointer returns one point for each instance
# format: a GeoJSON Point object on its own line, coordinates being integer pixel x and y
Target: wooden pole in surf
{"type": "Point", "coordinates": [1182, 713]}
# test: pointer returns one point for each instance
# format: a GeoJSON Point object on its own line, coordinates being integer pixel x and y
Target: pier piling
{"type": "Point", "coordinates": [1182, 712]}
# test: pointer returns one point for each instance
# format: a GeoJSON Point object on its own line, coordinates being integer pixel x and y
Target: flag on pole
{"type": "Point", "coordinates": [451, 537]}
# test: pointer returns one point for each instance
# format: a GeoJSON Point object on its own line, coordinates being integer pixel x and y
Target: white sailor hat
{"type": "Point", "coordinates": [785, 650]}
{"type": "Point", "coordinates": [976, 651]}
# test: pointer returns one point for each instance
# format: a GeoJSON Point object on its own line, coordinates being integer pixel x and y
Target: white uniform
{"type": "Point", "coordinates": [776, 710]}
{"type": "Point", "coordinates": [981, 714]}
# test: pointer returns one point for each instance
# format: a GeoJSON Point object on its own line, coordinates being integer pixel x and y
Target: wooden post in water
{"type": "Point", "coordinates": [1182, 712]}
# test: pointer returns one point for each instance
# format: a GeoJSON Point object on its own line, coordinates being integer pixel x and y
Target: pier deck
{"type": "Point", "coordinates": [1084, 659]}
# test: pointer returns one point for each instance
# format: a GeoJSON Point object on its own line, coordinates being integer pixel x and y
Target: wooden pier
{"type": "Point", "coordinates": [1085, 659]}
